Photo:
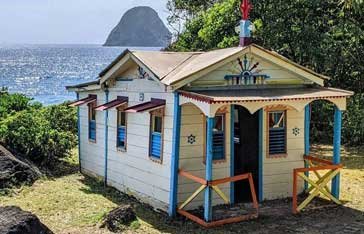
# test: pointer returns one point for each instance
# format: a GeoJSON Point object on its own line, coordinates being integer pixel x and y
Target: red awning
{"type": "Point", "coordinates": [119, 101]}
{"type": "Point", "coordinates": [154, 104]}
{"type": "Point", "coordinates": [89, 99]}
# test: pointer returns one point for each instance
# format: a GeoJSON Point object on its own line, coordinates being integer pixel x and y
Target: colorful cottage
{"type": "Point", "coordinates": [224, 126]}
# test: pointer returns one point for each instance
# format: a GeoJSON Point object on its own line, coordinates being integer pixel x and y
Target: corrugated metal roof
{"type": "Point", "coordinates": [172, 67]}
{"type": "Point", "coordinates": [273, 94]}
{"type": "Point", "coordinates": [198, 63]}
{"type": "Point", "coordinates": [162, 63]}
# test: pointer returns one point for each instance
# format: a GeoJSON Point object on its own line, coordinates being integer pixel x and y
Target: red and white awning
{"type": "Point", "coordinates": [154, 104]}
{"type": "Point", "coordinates": [119, 101]}
{"type": "Point", "coordinates": [84, 101]}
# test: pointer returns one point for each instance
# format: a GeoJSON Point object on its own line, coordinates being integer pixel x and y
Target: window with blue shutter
{"type": "Point", "coordinates": [277, 132]}
{"type": "Point", "coordinates": [92, 121]}
{"type": "Point", "coordinates": [121, 129]}
{"type": "Point", "coordinates": [218, 138]}
{"type": "Point", "coordinates": [156, 135]}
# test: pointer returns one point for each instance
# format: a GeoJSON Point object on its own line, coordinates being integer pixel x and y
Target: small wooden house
{"type": "Point", "coordinates": [161, 125]}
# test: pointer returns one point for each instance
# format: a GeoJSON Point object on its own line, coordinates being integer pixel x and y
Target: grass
{"type": "Point", "coordinates": [352, 176]}
{"type": "Point", "coordinates": [74, 203]}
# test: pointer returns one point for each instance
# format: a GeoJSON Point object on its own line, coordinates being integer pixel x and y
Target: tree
{"type": "Point", "coordinates": [326, 36]}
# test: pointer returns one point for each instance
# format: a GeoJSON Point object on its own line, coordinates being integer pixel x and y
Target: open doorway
{"type": "Point", "coordinates": [246, 150]}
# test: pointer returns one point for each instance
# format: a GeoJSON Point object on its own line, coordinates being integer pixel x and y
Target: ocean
{"type": "Point", "coordinates": [42, 71]}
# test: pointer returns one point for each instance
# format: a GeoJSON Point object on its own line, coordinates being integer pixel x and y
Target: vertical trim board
{"type": "Point", "coordinates": [175, 157]}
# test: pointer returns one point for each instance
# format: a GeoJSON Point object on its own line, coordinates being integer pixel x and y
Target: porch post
{"type": "Point", "coordinates": [336, 157]}
{"type": "Point", "coordinates": [307, 138]}
{"type": "Point", "coordinates": [79, 133]}
{"type": "Point", "coordinates": [106, 137]}
{"type": "Point", "coordinates": [208, 207]}
{"type": "Point", "coordinates": [175, 156]}
{"type": "Point", "coordinates": [232, 153]}
{"type": "Point", "coordinates": [260, 172]}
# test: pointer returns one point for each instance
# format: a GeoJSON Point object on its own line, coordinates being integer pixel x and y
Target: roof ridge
{"type": "Point", "coordinates": [178, 65]}
{"type": "Point", "coordinates": [169, 52]}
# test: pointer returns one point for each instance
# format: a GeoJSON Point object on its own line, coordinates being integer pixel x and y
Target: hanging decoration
{"type": "Point", "coordinates": [142, 74]}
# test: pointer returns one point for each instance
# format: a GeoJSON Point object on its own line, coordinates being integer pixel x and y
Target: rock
{"type": "Point", "coordinates": [119, 217]}
{"type": "Point", "coordinates": [140, 27]}
{"type": "Point", "coordinates": [14, 172]}
{"type": "Point", "coordinates": [13, 220]}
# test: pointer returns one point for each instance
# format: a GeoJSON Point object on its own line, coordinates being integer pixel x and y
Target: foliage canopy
{"type": "Point", "coordinates": [326, 36]}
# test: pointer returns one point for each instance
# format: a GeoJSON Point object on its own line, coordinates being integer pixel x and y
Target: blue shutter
{"type": "Point", "coordinates": [92, 130]}
{"type": "Point", "coordinates": [277, 141]}
{"type": "Point", "coordinates": [156, 145]}
{"type": "Point", "coordinates": [121, 136]}
{"type": "Point", "coordinates": [218, 147]}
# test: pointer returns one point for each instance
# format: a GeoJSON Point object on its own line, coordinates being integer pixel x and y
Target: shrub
{"type": "Point", "coordinates": [10, 103]}
{"type": "Point", "coordinates": [42, 134]}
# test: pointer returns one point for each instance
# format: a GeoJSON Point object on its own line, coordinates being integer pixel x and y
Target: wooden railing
{"type": "Point", "coordinates": [316, 187]}
{"type": "Point", "coordinates": [214, 185]}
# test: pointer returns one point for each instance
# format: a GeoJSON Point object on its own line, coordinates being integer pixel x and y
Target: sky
{"type": "Point", "coordinates": [65, 21]}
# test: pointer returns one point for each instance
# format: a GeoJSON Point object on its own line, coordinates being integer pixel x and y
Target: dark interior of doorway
{"type": "Point", "coordinates": [246, 149]}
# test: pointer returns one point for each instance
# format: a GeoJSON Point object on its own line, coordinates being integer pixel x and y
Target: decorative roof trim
{"type": "Point", "coordinates": [211, 100]}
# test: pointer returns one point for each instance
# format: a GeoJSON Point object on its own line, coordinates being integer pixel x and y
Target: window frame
{"type": "Point", "coordinates": [278, 155]}
{"type": "Point", "coordinates": [91, 109]}
{"type": "Point", "coordinates": [224, 126]}
{"type": "Point", "coordinates": [121, 109]}
{"type": "Point", "coordinates": [156, 113]}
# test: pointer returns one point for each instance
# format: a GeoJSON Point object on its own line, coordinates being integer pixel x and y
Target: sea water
{"type": "Point", "coordinates": [42, 71]}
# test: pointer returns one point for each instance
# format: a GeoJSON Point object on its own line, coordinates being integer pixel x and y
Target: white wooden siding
{"type": "Point", "coordinates": [132, 171]}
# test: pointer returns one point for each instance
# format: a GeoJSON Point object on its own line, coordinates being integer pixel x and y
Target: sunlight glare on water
{"type": "Point", "coordinates": [43, 71]}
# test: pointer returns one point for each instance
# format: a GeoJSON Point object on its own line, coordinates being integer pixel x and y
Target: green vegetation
{"type": "Point", "coordinates": [74, 203]}
{"type": "Point", "coordinates": [326, 36]}
{"type": "Point", "coordinates": [41, 134]}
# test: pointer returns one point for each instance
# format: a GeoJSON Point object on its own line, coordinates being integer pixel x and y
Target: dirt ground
{"type": "Point", "coordinates": [73, 203]}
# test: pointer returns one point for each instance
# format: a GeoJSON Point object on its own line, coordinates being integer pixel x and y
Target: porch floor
{"type": "Point", "coordinates": [267, 209]}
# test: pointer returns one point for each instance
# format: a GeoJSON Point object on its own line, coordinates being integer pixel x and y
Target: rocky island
{"type": "Point", "coordinates": [140, 27]}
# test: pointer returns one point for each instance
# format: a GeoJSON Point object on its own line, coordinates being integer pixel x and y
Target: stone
{"type": "Point", "coordinates": [14, 172]}
{"type": "Point", "coordinates": [14, 220]}
{"type": "Point", "coordinates": [119, 217]}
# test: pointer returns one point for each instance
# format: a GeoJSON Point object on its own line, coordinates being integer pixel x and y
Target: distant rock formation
{"type": "Point", "coordinates": [140, 27]}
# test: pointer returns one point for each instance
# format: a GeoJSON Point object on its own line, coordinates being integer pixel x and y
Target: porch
{"type": "Point", "coordinates": [211, 103]}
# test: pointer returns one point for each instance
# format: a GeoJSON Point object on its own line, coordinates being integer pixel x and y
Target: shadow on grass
{"type": "Point", "coordinates": [351, 158]}
{"type": "Point", "coordinates": [275, 216]}
{"type": "Point", "coordinates": [157, 219]}
{"type": "Point", "coordinates": [60, 168]}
